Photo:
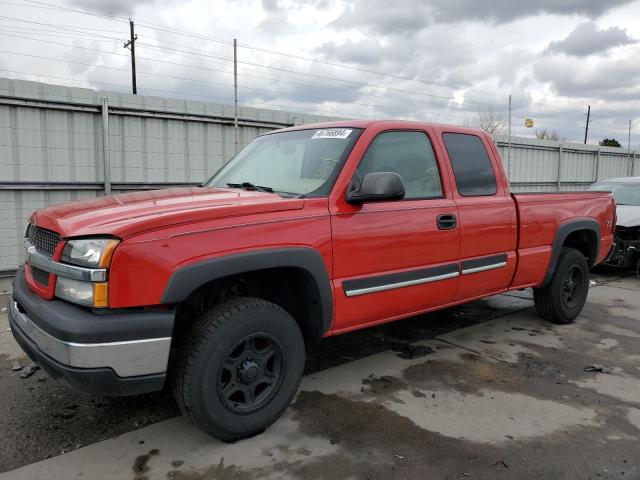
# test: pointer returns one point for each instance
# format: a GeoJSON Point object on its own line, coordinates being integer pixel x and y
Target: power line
{"type": "Point", "coordinates": [182, 32]}
{"type": "Point", "coordinates": [248, 88]}
{"type": "Point", "coordinates": [54, 34]}
{"type": "Point", "coordinates": [300, 57]}
{"type": "Point", "coordinates": [289, 55]}
{"type": "Point", "coordinates": [227, 59]}
{"type": "Point", "coordinates": [270, 92]}
{"type": "Point", "coordinates": [256, 76]}
{"type": "Point", "coordinates": [58, 7]}
{"type": "Point", "coordinates": [61, 27]}
{"type": "Point", "coordinates": [264, 50]}
{"type": "Point", "coordinates": [206, 68]}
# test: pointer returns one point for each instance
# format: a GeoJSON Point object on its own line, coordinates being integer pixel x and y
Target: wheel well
{"type": "Point", "coordinates": [292, 288]}
{"type": "Point", "coordinates": [584, 241]}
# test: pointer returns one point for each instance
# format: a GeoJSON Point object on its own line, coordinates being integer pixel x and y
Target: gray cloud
{"type": "Point", "coordinates": [508, 10]}
{"type": "Point", "coordinates": [586, 39]}
{"type": "Point", "coordinates": [364, 52]}
{"type": "Point", "coordinates": [110, 7]}
{"type": "Point", "coordinates": [606, 79]}
{"type": "Point", "coordinates": [384, 17]}
{"type": "Point", "coordinates": [407, 16]}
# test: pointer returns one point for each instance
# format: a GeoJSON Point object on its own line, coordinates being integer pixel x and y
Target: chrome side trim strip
{"type": "Point", "coordinates": [127, 359]}
{"type": "Point", "coordinates": [408, 283]}
{"type": "Point", "coordinates": [37, 259]}
{"type": "Point", "coordinates": [483, 268]}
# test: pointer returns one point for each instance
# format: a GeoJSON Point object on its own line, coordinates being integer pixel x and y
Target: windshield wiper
{"type": "Point", "coordinates": [250, 186]}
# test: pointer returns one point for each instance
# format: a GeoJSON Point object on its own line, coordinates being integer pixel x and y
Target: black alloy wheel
{"type": "Point", "coordinates": [251, 374]}
{"type": "Point", "coordinates": [572, 287]}
{"type": "Point", "coordinates": [563, 298]}
{"type": "Point", "coordinates": [238, 367]}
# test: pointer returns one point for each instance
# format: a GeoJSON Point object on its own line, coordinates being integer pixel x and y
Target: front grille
{"type": "Point", "coordinates": [40, 276]}
{"type": "Point", "coordinates": [45, 241]}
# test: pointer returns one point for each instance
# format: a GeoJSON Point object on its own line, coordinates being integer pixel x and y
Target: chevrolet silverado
{"type": "Point", "coordinates": [308, 232]}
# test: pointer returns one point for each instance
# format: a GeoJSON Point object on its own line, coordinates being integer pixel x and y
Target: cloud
{"type": "Point", "coordinates": [586, 39]}
{"type": "Point", "coordinates": [387, 17]}
{"type": "Point", "coordinates": [606, 79]}
{"type": "Point", "coordinates": [508, 10]}
{"type": "Point", "coordinates": [110, 7]}
{"type": "Point", "coordinates": [363, 52]}
{"type": "Point", "coordinates": [384, 17]}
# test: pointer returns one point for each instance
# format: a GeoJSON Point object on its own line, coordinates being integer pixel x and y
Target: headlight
{"type": "Point", "coordinates": [92, 252]}
{"type": "Point", "coordinates": [83, 293]}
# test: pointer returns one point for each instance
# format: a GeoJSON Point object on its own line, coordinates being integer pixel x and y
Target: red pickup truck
{"type": "Point", "coordinates": [308, 232]}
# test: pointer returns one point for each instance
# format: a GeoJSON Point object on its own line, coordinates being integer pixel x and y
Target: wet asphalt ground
{"type": "Point", "coordinates": [40, 418]}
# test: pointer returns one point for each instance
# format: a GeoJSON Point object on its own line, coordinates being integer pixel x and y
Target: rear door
{"type": "Point", "coordinates": [392, 258]}
{"type": "Point", "coordinates": [487, 214]}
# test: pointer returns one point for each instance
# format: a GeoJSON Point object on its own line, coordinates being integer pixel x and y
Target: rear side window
{"type": "Point", "coordinates": [410, 155]}
{"type": "Point", "coordinates": [471, 165]}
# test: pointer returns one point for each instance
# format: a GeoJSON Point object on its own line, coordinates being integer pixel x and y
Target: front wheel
{"type": "Point", "coordinates": [562, 300]}
{"type": "Point", "coordinates": [239, 367]}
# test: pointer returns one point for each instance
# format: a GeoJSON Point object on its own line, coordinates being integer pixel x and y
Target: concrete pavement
{"type": "Point", "coordinates": [508, 398]}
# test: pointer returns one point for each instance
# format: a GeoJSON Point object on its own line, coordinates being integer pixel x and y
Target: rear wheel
{"type": "Point", "coordinates": [562, 300]}
{"type": "Point", "coordinates": [239, 367]}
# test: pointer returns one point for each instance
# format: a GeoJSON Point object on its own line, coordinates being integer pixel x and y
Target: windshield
{"type": "Point", "coordinates": [300, 162]}
{"type": "Point", "coordinates": [624, 193]}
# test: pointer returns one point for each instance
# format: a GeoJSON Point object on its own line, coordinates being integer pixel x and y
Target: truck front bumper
{"type": "Point", "coordinates": [105, 354]}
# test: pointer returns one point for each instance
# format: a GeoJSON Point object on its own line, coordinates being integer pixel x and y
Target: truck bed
{"type": "Point", "coordinates": [540, 216]}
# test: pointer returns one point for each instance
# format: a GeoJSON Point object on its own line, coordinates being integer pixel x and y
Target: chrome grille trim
{"type": "Point", "coordinates": [38, 260]}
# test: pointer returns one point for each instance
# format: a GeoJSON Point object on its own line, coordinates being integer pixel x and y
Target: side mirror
{"type": "Point", "coordinates": [375, 187]}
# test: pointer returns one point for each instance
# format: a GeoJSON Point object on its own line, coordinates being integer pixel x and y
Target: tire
{"type": "Point", "coordinates": [562, 300]}
{"type": "Point", "coordinates": [242, 346]}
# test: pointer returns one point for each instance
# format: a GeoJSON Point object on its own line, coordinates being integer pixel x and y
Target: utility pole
{"type": "Point", "coordinates": [509, 147]}
{"type": "Point", "coordinates": [586, 129]}
{"type": "Point", "coordinates": [131, 44]}
{"type": "Point", "coordinates": [235, 93]}
{"type": "Point", "coordinates": [629, 151]}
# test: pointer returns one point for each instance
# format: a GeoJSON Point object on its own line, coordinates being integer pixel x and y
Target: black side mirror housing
{"type": "Point", "coordinates": [376, 187]}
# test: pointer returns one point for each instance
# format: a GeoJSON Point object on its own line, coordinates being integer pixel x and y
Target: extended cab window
{"type": "Point", "coordinates": [410, 155]}
{"type": "Point", "coordinates": [471, 165]}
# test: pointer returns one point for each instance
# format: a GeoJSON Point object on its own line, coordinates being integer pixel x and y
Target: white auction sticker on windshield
{"type": "Point", "coordinates": [332, 133]}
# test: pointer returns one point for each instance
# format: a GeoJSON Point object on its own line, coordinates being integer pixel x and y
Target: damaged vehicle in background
{"type": "Point", "coordinates": [626, 192]}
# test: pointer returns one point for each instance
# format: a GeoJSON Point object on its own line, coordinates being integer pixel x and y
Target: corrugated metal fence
{"type": "Point", "coordinates": [543, 165]}
{"type": "Point", "coordinates": [53, 149]}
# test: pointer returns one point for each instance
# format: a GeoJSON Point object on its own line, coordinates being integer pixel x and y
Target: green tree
{"type": "Point", "coordinates": [610, 142]}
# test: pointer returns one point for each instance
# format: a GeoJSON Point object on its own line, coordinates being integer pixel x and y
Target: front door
{"type": "Point", "coordinates": [396, 258]}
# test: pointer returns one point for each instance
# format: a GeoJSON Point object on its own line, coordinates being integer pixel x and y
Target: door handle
{"type": "Point", "coordinates": [447, 222]}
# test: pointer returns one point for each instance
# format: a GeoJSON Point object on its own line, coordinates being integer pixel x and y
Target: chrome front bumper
{"type": "Point", "coordinates": [126, 358]}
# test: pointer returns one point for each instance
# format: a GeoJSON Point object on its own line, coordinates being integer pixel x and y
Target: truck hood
{"type": "Point", "coordinates": [628, 216]}
{"type": "Point", "coordinates": [130, 213]}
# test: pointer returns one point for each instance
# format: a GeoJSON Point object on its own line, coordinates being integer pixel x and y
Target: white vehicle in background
{"type": "Point", "coordinates": [626, 192]}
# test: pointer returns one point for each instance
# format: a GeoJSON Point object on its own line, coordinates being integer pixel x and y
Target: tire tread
{"type": "Point", "coordinates": [196, 340]}
{"type": "Point", "coordinates": [546, 298]}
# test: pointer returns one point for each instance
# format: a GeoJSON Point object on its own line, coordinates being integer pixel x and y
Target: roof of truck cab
{"type": "Point", "coordinates": [400, 124]}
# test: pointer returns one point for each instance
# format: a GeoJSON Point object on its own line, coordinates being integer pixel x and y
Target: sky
{"type": "Point", "coordinates": [438, 61]}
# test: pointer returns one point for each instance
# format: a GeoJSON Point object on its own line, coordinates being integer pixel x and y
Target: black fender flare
{"type": "Point", "coordinates": [564, 230]}
{"type": "Point", "coordinates": [187, 279]}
